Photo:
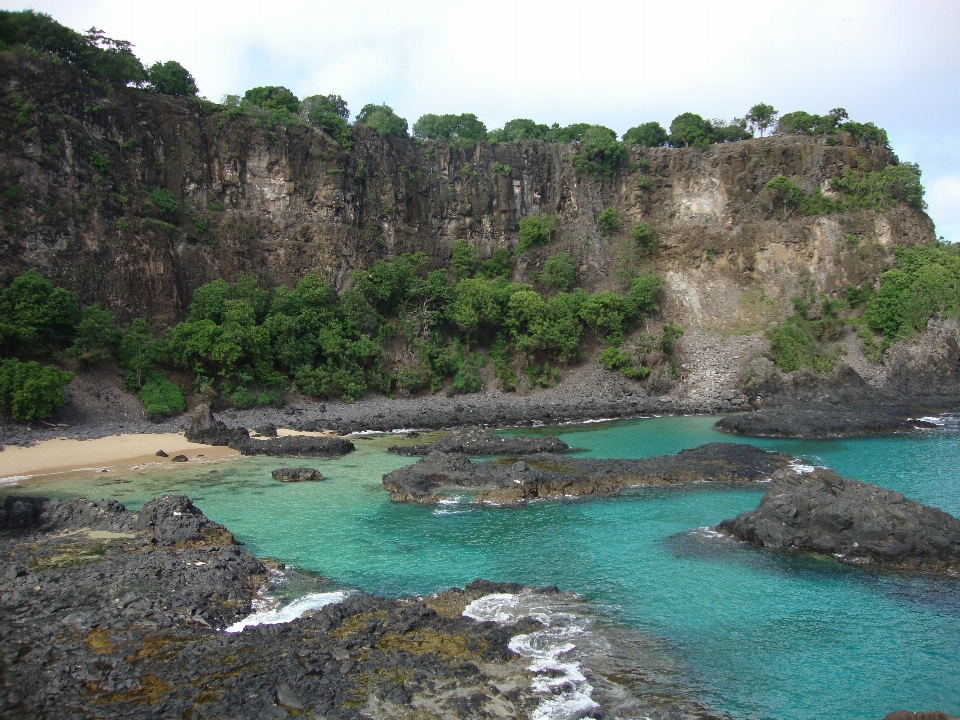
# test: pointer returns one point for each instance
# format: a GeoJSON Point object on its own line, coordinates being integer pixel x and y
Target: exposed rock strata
{"type": "Point", "coordinates": [479, 442]}
{"type": "Point", "coordinates": [858, 522]}
{"type": "Point", "coordinates": [545, 476]}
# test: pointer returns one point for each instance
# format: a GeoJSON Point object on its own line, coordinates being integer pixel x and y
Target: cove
{"type": "Point", "coordinates": [755, 634]}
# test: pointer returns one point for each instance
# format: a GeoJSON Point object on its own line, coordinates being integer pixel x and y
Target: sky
{"type": "Point", "coordinates": [618, 64]}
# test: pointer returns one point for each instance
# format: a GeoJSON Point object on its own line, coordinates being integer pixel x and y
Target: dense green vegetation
{"type": "Point", "coordinates": [862, 189]}
{"type": "Point", "coordinates": [398, 329]}
{"type": "Point", "coordinates": [827, 126]}
{"type": "Point", "coordinates": [799, 342]}
{"type": "Point", "coordinates": [171, 78]}
{"type": "Point", "coordinates": [925, 282]}
{"type": "Point", "coordinates": [329, 113]}
{"type": "Point", "coordinates": [383, 119]}
{"type": "Point", "coordinates": [535, 230]}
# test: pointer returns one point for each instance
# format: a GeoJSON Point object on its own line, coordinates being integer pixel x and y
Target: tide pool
{"type": "Point", "coordinates": [754, 634]}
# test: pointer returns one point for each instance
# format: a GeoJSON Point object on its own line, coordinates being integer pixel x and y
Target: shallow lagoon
{"type": "Point", "coordinates": [757, 635]}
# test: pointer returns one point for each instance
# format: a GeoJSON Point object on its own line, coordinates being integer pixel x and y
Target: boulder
{"type": "Point", "coordinates": [179, 458]}
{"type": "Point", "coordinates": [296, 446]}
{"type": "Point", "coordinates": [301, 474]}
{"type": "Point", "coordinates": [858, 522]}
{"type": "Point", "coordinates": [207, 429]}
{"type": "Point", "coordinates": [268, 430]}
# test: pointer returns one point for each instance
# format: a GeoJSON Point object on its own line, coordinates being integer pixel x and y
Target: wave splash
{"type": "Point", "coordinates": [551, 650]}
{"type": "Point", "coordinates": [286, 613]}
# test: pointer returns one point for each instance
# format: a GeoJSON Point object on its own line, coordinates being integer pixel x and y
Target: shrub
{"type": "Point", "coordinates": [467, 378]}
{"type": "Point", "coordinates": [877, 190]}
{"type": "Point", "coordinates": [30, 391]}
{"type": "Point", "coordinates": [570, 133]}
{"type": "Point", "coordinates": [464, 259]}
{"type": "Point", "coordinates": [34, 315]}
{"type": "Point", "coordinates": [171, 78]}
{"type": "Point", "coordinates": [609, 220]}
{"type": "Point", "coordinates": [273, 97]}
{"type": "Point", "coordinates": [642, 235]}
{"type": "Point", "coordinates": [383, 119]}
{"type": "Point", "coordinates": [165, 203]}
{"type": "Point", "coordinates": [519, 129]}
{"type": "Point", "coordinates": [793, 346]}
{"type": "Point", "coordinates": [497, 266]}
{"type": "Point", "coordinates": [559, 272]}
{"type": "Point", "coordinates": [789, 196]}
{"type": "Point", "coordinates": [535, 230]}
{"type": "Point", "coordinates": [649, 134]}
{"type": "Point", "coordinates": [330, 114]}
{"type": "Point", "coordinates": [926, 282]}
{"type": "Point", "coordinates": [504, 170]}
{"type": "Point", "coordinates": [600, 152]}
{"type": "Point", "coordinates": [160, 397]}
{"type": "Point", "coordinates": [97, 336]}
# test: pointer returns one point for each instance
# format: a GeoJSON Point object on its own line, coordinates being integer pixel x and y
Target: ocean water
{"type": "Point", "coordinates": [750, 633]}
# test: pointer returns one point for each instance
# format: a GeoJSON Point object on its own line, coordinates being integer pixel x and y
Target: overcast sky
{"type": "Point", "coordinates": [619, 64]}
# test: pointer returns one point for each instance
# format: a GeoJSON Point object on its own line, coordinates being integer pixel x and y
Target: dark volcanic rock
{"type": "Point", "coordinates": [809, 420]}
{"type": "Point", "coordinates": [509, 481]}
{"type": "Point", "coordinates": [297, 446]}
{"type": "Point", "coordinates": [207, 429]}
{"type": "Point", "coordinates": [477, 442]}
{"type": "Point", "coordinates": [862, 523]}
{"type": "Point", "coordinates": [302, 474]}
{"type": "Point", "coordinates": [179, 458]}
{"type": "Point", "coordinates": [103, 621]}
{"type": "Point", "coordinates": [268, 430]}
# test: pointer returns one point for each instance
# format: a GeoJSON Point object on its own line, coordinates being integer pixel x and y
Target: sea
{"type": "Point", "coordinates": [657, 605]}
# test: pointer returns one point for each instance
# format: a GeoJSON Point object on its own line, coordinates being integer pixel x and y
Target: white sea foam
{"type": "Point", "coordinates": [709, 533]}
{"type": "Point", "coordinates": [800, 469]}
{"type": "Point", "coordinates": [287, 613]}
{"type": "Point", "coordinates": [452, 500]}
{"type": "Point", "coordinates": [14, 479]}
{"type": "Point", "coordinates": [558, 677]}
{"type": "Point", "coordinates": [939, 421]}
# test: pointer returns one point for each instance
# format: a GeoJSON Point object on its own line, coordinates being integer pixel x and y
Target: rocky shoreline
{"type": "Point", "coordinates": [509, 481]}
{"type": "Point", "coordinates": [107, 613]}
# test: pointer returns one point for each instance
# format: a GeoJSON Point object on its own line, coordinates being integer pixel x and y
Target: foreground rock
{"type": "Point", "coordinates": [108, 613]}
{"type": "Point", "coordinates": [296, 475]}
{"type": "Point", "coordinates": [858, 522]}
{"type": "Point", "coordinates": [805, 420]}
{"type": "Point", "coordinates": [511, 480]}
{"type": "Point", "coordinates": [480, 442]}
{"type": "Point", "coordinates": [207, 429]}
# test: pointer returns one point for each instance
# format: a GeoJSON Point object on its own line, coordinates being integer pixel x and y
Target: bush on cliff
{"type": "Point", "coordinates": [535, 231]}
{"type": "Point", "coordinates": [600, 152]}
{"type": "Point", "coordinates": [273, 97]}
{"type": "Point", "coordinates": [30, 391]}
{"type": "Point", "coordinates": [450, 127]}
{"type": "Point", "coordinates": [926, 282]}
{"type": "Point", "coordinates": [35, 316]}
{"type": "Point", "coordinates": [649, 134]}
{"type": "Point", "coordinates": [160, 397]}
{"type": "Point", "coordinates": [383, 119]}
{"type": "Point", "coordinates": [171, 78]}
{"type": "Point", "coordinates": [330, 114]}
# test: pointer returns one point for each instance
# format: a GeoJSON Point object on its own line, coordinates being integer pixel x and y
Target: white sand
{"type": "Point", "coordinates": [56, 456]}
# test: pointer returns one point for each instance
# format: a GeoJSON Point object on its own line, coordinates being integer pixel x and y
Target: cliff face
{"type": "Point", "coordinates": [78, 163]}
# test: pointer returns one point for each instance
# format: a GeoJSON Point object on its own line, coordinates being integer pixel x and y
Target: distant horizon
{"type": "Point", "coordinates": [617, 64]}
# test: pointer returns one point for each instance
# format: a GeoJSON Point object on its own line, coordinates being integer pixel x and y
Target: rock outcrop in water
{"type": "Point", "coordinates": [207, 429]}
{"type": "Point", "coordinates": [544, 476]}
{"type": "Point", "coordinates": [114, 614]}
{"type": "Point", "coordinates": [302, 474]}
{"type": "Point", "coordinates": [858, 522]}
{"type": "Point", "coordinates": [480, 442]}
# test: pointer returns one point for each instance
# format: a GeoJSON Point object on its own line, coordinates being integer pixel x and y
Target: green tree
{"type": "Point", "coordinates": [30, 391]}
{"type": "Point", "coordinates": [535, 230]}
{"type": "Point", "coordinates": [518, 129]}
{"type": "Point", "coordinates": [273, 97]}
{"type": "Point", "coordinates": [568, 134]}
{"type": "Point", "coordinates": [171, 78]}
{"type": "Point", "coordinates": [450, 127]}
{"type": "Point", "coordinates": [762, 117]}
{"type": "Point", "coordinates": [35, 315]}
{"type": "Point", "coordinates": [649, 134]}
{"type": "Point", "coordinates": [600, 152]}
{"type": "Point", "coordinates": [609, 220]}
{"type": "Point", "coordinates": [642, 235]}
{"type": "Point", "coordinates": [383, 119]}
{"type": "Point", "coordinates": [464, 259]}
{"type": "Point", "coordinates": [559, 272]}
{"type": "Point", "coordinates": [97, 336]}
{"type": "Point", "coordinates": [330, 114]}
{"type": "Point", "coordinates": [691, 130]}
{"type": "Point", "coordinates": [165, 203]}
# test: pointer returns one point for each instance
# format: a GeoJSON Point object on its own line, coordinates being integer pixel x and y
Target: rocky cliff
{"type": "Point", "coordinates": [79, 161]}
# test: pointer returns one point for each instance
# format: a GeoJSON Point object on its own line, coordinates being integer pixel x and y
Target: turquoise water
{"type": "Point", "coordinates": [760, 635]}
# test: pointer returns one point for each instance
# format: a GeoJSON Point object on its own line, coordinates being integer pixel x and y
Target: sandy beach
{"type": "Point", "coordinates": [56, 456]}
